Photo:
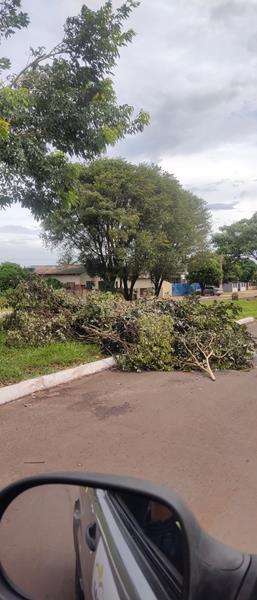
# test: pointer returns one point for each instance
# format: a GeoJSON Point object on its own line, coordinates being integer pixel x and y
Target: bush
{"type": "Point", "coordinates": [54, 283]}
{"type": "Point", "coordinates": [154, 348]}
{"type": "Point", "coordinates": [3, 301]}
{"type": "Point", "coordinates": [40, 314]}
{"type": "Point", "coordinates": [10, 275]}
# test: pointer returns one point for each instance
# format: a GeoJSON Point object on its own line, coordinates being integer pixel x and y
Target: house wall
{"type": "Point", "coordinates": [78, 280]}
{"type": "Point", "coordinates": [84, 277]}
{"type": "Point", "coordinates": [239, 286]}
{"type": "Point", "coordinates": [143, 285]}
{"type": "Point", "coordinates": [66, 278]}
{"type": "Point", "coordinates": [229, 287]}
{"type": "Point", "coordinates": [166, 290]}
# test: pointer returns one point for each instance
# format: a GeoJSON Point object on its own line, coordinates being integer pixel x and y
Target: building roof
{"type": "Point", "coordinates": [51, 270]}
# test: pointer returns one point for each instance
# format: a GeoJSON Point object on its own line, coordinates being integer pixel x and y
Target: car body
{"type": "Point", "coordinates": [211, 290]}
{"type": "Point", "coordinates": [113, 558]}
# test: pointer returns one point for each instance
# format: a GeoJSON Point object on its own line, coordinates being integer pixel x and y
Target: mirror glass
{"type": "Point", "coordinates": [76, 543]}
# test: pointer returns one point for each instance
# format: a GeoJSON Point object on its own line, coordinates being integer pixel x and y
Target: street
{"type": "Point", "coordinates": [179, 429]}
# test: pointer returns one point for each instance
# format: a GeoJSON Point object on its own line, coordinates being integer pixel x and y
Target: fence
{"type": "Point", "coordinates": [184, 289]}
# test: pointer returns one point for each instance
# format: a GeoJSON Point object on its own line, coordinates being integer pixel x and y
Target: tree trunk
{"type": "Point", "coordinates": [132, 285]}
{"type": "Point", "coordinates": [157, 286]}
{"type": "Point", "coordinates": [125, 288]}
{"type": "Point", "coordinates": [128, 290]}
{"type": "Point", "coordinates": [109, 282]}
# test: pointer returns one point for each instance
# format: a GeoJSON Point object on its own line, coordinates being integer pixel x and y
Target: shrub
{"type": "Point", "coordinates": [40, 314]}
{"type": "Point", "coordinates": [10, 275]}
{"type": "Point", "coordinates": [154, 348]}
{"type": "Point", "coordinates": [3, 301]}
{"type": "Point", "coordinates": [54, 283]}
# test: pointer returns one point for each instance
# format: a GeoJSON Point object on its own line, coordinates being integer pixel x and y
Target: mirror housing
{"type": "Point", "coordinates": [211, 570]}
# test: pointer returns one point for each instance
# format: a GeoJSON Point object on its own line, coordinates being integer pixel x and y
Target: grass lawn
{"type": "Point", "coordinates": [17, 364]}
{"type": "Point", "coordinates": [248, 307]}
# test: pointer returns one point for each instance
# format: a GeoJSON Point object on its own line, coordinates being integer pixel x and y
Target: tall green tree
{"type": "Point", "coordinates": [62, 104]}
{"type": "Point", "coordinates": [125, 220]}
{"type": "Point", "coordinates": [181, 231]}
{"type": "Point", "coordinates": [205, 269]}
{"type": "Point", "coordinates": [238, 240]}
{"type": "Point", "coordinates": [104, 223]}
{"type": "Point", "coordinates": [242, 269]}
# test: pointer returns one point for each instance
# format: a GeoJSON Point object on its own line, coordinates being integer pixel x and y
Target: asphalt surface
{"type": "Point", "coordinates": [178, 429]}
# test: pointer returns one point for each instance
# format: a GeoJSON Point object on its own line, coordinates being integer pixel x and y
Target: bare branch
{"type": "Point", "coordinates": [57, 50]}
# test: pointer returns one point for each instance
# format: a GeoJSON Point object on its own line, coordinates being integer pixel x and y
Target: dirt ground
{"type": "Point", "coordinates": [178, 429]}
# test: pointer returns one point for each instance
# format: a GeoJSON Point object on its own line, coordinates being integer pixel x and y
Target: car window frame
{"type": "Point", "coordinates": [101, 503]}
{"type": "Point", "coordinates": [167, 574]}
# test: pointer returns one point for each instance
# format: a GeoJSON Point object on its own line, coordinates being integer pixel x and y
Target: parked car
{"type": "Point", "coordinates": [114, 558]}
{"type": "Point", "coordinates": [211, 290]}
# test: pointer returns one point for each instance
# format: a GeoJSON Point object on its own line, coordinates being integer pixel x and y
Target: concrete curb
{"type": "Point", "coordinates": [246, 320]}
{"type": "Point", "coordinates": [25, 388]}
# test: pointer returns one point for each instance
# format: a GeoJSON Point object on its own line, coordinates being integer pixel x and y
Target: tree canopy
{"type": "Point", "coordinates": [125, 220]}
{"type": "Point", "coordinates": [243, 269]}
{"type": "Point", "coordinates": [238, 240]}
{"type": "Point", "coordinates": [205, 269]}
{"type": "Point", "coordinates": [62, 104]}
{"type": "Point", "coordinates": [11, 18]}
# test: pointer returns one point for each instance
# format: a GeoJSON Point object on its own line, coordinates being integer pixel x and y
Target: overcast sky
{"type": "Point", "coordinates": [193, 66]}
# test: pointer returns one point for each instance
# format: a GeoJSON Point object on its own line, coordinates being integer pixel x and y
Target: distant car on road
{"type": "Point", "coordinates": [211, 290]}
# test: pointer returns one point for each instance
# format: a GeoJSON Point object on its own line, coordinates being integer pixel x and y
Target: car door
{"type": "Point", "coordinates": [117, 565]}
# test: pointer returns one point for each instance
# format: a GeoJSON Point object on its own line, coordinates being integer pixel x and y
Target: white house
{"type": "Point", "coordinates": [76, 279]}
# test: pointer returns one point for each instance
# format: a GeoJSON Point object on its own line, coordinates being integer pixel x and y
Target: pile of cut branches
{"type": "Point", "coordinates": [208, 338]}
{"type": "Point", "coordinates": [146, 334]}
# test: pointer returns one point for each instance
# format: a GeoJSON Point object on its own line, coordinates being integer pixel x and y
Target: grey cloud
{"type": "Point", "coordinates": [210, 187]}
{"type": "Point", "coordinates": [242, 194]}
{"type": "Point", "coordinates": [226, 10]}
{"type": "Point", "coordinates": [199, 84]}
{"type": "Point", "coordinates": [27, 255]}
{"type": "Point", "coordinates": [18, 229]}
{"type": "Point", "coordinates": [216, 206]}
{"type": "Point", "coordinates": [189, 124]}
{"type": "Point", "coordinates": [203, 188]}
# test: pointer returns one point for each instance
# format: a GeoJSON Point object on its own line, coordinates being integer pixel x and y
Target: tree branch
{"type": "Point", "coordinates": [57, 50]}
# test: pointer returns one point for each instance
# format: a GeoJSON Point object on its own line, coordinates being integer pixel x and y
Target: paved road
{"type": "Point", "coordinates": [179, 429]}
{"type": "Point", "coordinates": [228, 296]}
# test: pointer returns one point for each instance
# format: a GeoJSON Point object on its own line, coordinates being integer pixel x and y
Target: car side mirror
{"type": "Point", "coordinates": [83, 537]}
